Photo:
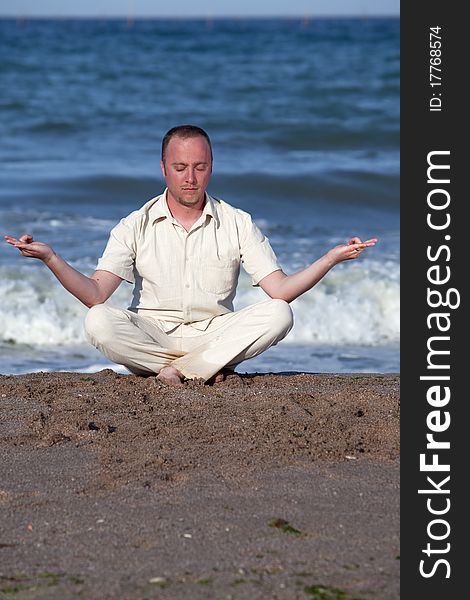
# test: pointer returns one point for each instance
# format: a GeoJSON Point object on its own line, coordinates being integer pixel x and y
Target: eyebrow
{"type": "Point", "coordinates": [183, 164]}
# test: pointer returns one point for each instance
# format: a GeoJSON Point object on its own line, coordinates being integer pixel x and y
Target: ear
{"type": "Point", "coordinates": [162, 167]}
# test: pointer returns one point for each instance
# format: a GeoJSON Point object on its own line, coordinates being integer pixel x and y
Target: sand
{"type": "Point", "coordinates": [262, 486]}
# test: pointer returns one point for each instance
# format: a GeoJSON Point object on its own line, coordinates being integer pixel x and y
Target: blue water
{"type": "Point", "coordinates": [304, 121]}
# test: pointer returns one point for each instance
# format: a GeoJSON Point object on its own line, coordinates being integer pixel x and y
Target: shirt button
{"type": "Point", "coordinates": [187, 285]}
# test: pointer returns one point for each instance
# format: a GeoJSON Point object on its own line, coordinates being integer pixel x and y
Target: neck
{"type": "Point", "coordinates": [185, 215]}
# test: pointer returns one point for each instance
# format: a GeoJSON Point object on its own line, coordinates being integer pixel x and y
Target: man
{"type": "Point", "coordinates": [182, 251]}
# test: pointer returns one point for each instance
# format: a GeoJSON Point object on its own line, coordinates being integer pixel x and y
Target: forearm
{"type": "Point", "coordinates": [292, 286]}
{"type": "Point", "coordinates": [289, 287]}
{"type": "Point", "coordinates": [82, 287]}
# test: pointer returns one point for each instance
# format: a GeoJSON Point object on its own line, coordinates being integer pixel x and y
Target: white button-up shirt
{"type": "Point", "coordinates": [187, 276]}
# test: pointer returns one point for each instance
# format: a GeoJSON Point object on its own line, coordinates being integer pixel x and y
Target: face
{"type": "Point", "coordinates": [187, 170]}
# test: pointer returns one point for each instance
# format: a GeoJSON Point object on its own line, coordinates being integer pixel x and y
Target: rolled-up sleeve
{"type": "Point", "coordinates": [119, 254]}
{"type": "Point", "coordinates": [258, 258]}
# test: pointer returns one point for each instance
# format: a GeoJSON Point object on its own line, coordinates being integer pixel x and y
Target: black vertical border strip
{"type": "Point", "coordinates": [424, 131]}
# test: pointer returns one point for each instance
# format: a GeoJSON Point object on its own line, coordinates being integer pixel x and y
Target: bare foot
{"type": "Point", "coordinates": [170, 376]}
{"type": "Point", "coordinates": [221, 375]}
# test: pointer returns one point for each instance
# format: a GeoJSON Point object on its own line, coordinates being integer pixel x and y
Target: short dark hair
{"type": "Point", "coordinates": [184, 131]}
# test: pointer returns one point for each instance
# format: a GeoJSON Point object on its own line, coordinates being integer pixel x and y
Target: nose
{"type": "Point", "coordinates": [191, 176]}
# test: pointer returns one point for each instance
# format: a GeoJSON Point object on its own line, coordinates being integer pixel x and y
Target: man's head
{"type": "Point", "coordinates": [186, 164]}
{"type": "Point", "coordinates": [184, 132]}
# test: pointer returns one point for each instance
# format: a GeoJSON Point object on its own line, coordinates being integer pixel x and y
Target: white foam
{"type": "Point", "coordinates": [356, 303]}
{"type": "Point", "coordinates": [36, 310]}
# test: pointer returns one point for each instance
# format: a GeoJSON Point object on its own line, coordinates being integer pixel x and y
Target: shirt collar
{"type": "Point", "coordinates": [160, 211]}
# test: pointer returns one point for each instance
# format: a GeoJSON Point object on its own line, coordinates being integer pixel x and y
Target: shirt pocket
{"type": "Point", "coordinates": [219, 277]}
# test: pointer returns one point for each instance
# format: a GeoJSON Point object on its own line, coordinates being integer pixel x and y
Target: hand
{"type": "Point", "coordinates": [350, 251]}
{"type": "Point", "coordinates": [31, 249]}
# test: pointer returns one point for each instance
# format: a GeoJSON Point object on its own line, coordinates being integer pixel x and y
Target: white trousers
{"type": "Point", "coordinates": [139, 343]}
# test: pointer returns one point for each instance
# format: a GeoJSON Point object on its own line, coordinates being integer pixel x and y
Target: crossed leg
{"type": "Point", "coordinates": [144, 348]}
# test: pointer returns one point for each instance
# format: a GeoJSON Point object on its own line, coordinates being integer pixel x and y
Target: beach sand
{"type": "Point", "coordinates": [262, 486]}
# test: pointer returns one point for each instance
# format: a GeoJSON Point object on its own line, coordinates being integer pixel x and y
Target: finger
{"type": "Point", "coordinates": [356, 250]}
{"type": "Point", "coordinates": [26, 238]}
{"type": "Point", "coordinates": [354, 240]}
{"type": "Point", "coordinates": [16, 243]}
{"type": "Point", "coordinates": [362, 245]}
{"type": "Point", "coordinates": [9, 239]}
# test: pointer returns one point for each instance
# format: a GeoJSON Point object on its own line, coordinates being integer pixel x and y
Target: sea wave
{"type": "Point", "coordinates": [352, 305]}
{"type": "Point", "coordinates": [368, 188]}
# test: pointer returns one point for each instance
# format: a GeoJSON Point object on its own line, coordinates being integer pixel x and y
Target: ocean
{"type": "Point", "coordinates": [303, 115]}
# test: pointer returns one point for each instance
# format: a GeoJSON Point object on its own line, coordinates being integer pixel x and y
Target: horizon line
{"type": "Point", "coordinates": [202, 17]}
